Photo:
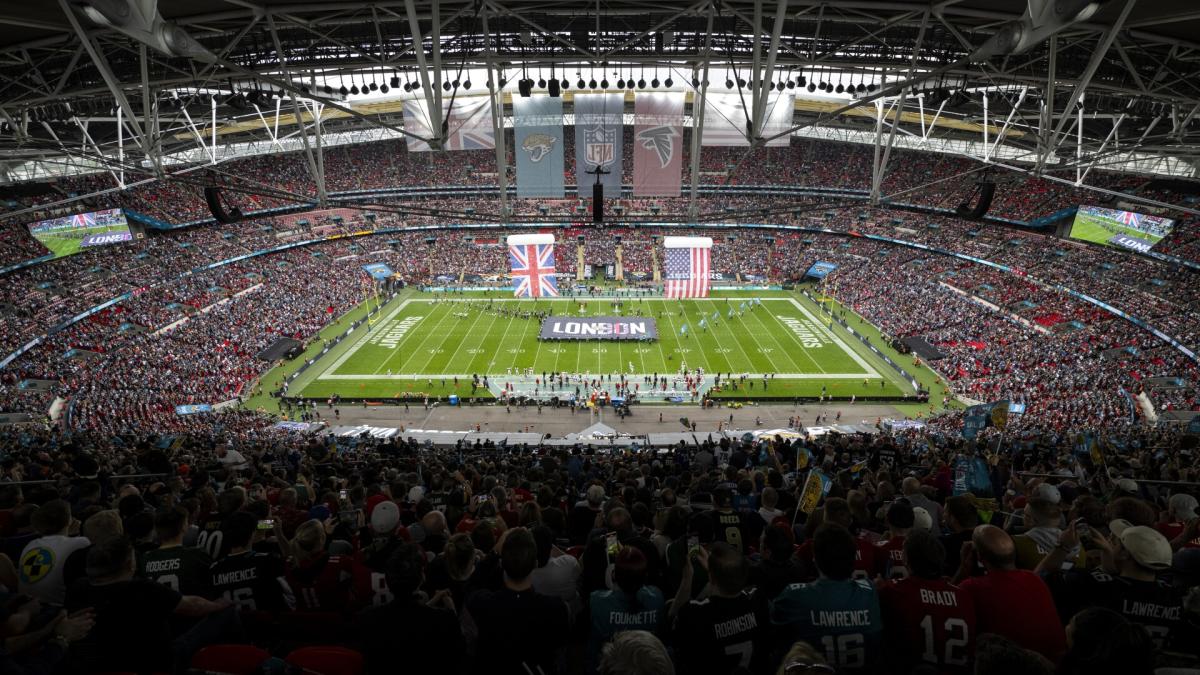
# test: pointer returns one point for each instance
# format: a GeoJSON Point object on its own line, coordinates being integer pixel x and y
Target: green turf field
{"type": "Point", "coordinates": [422, 343]}
{"type": "Point", "coordinates": [1098, 230]}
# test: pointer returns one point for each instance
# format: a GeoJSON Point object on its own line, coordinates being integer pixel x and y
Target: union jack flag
{"type": "Point", "coordinates": [687, 272]}
{"type": "Point", "coordinates": [83, 220]}
{"type": "Point", "coordinates": [533, 270]}
{"type": "Point", "coordinates": [1130, 218]}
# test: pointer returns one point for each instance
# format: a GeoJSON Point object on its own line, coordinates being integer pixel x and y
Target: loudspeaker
{"type": "Point", "coordinates": [598, 203]}
{"type": "Point", "coordinates": [212, 195]}
{"type": "Point", "coordinates": [987, 190]}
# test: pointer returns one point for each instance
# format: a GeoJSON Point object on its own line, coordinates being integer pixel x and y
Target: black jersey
{"type": "Point", "coordinates": [720, 635]}
{"type": "Point", "coordinates": [182, 568]}
{"type": "Point", "coordinates": [1155, 605]}
{"type": "Point", "coordinates": [252, 581]}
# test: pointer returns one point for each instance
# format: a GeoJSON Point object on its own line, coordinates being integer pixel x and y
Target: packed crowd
{"type": "Point", "coordinates": [925, 179]}
{"type": "Point", "coordinates": [925, 553]}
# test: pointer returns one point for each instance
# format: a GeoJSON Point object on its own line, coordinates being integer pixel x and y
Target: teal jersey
{"type": "Point", "coordinates": [614, 611]}
{"type": "Point", "coordinates": [842, 618]}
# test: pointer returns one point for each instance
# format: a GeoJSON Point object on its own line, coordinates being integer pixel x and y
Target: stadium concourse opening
{"type": "Point", "coordinates": [600, 338]}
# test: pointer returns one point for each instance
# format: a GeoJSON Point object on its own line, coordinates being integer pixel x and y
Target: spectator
{"type": "Point", "coordinates": [835, 613]}
{"type": "Point", "coordinates": [1102, 642]}
{"type": "Point", "coordinates": [132, 630]}
{"type": "Point", "coordinates": [172, 564]}
{"type": "Point", "coordinates": [43, 561]}
{"type": "Point", "coordinates": [1013, 603]}
{"type": "Point", "coordinates": [726, 631]}
{"type": "Point", "coordinates": [632, 605]}
{"type": "Point", "coordinates": [429, 625]}
{"type": "Point", "coordinates": [520, 630]}
{"type": "Point", "coordinates": [557, 574]}
{"type": "Point", "coordinates": [927, 620]}
{"type": "Point", "coordinates": [635, 652]}
{"type": "Point", "coordinates": [251, 580]}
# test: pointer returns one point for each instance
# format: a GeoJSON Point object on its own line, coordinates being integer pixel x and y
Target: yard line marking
{"type": "Point", "coordinates": [833, 336]}
{"type": "Point", "coordinates": [453, 357]}
{"type": "Point", "coordinates": [803, 350]}
{"type": "Point", "coordinates": [713, 330]}
{"type": "Point", "coordinates": [434, 331]}
{"type": "Point", "coordinates": [367, 335]}
{"type": "Point", "coordinates": [483, 350]}
{"type": "Point", "coordinates": [754, 337]}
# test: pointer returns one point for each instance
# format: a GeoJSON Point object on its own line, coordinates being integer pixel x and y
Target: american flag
{"type": "Point", "coordinates": [687, 272]}
{"type": "Point", "coordinates": [533, 270]}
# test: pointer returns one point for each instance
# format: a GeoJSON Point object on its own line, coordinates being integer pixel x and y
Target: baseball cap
{"type": "Point", "coordinates": [1147, 545]}
{"type": "Point", "coordinates": [385, 518]}
{"type": "Point", "coordinates": [921, 519]}
{"type": "Point", "coordinates": [1182, 506]}
{"type": "Point", "coordinates": [416, 494]}
{"type": "Point", "coordinates": [1127, 485]}
{"type": "Point", "coordinates": [1047, 492]}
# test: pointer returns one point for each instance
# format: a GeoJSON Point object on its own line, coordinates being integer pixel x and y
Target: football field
{"type": "Point", "coordinates": [426, 345]}
{"type": "Point", "coordinates": [1102, 230]}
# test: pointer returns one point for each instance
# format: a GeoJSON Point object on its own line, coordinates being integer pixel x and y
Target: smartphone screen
{"type": "Point", "coordinates": [266, 524]}
{"type": "Point", "coordinates": [343, 494]}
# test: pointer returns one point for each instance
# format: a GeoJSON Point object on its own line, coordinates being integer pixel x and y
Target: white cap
{"type": "Point", "coordinates": [1127, 485]}
{"type": "Point", "coordinates": [1182, 506]}
{"type": "Point", "coordinates": [921, 519]}
{"type": "Point", "coordinates": [1147, 545]}
{"type": "Point", "coordinates": [1047, 492]}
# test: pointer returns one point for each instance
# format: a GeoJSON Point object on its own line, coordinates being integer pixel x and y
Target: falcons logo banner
{"type": "Point", "coordinates": [657, 144]}
{"type": "Point", "coordinates": [532, 257]}
{"type": "Point", "coordinates": [687, 266]}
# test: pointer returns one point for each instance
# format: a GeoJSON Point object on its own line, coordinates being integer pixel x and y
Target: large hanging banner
{"type": "Point", "coordinates": [726, 119]}
{"type": "Point", "coordinates": [538, 129]}
{"type": "Point", "coordinates": [598, 142]}
{"type": "Point", "coordinates": [469, 123]}
{"type": "Point", "coordinates": [532, 258]}
{"type": "Point", "coordinates": [657, 144]}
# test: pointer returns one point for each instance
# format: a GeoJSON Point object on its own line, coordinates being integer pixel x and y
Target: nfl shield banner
{"type": "Point", "coordinates": [469, 123]}
{"type": "Point", "coordinates": [657, 144]}
{"type": "Point", "coordinates": [538, 132]}
{"type": "Point", "coordinates": [598, 141]}
{"type": "Point", "coordinates": [532, 257]}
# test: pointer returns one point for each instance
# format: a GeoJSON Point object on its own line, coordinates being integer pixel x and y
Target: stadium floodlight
{"type": "Point", "coordinates": [668, 82]}
{"type": "Point", "coordinates": [344, 91]}
{"type": "Point", "coordinates": [541, 83]}
{"type": "Point", "coordinates": [812, 87]}
{"type": "Point", "coordinates": [604, 83]}
{"type": "Point", "coordinates": [1042, 19]}
{"type": "Point", "coordinates": [373, 86]}
{"type": "Point", "coordinates": [592, 83]}
{"type": "Point", "coordinates": [728, 83]}
{"type": "Point", "coordinates": [741, 83]}
{"type": "Point", "coordinates": [654, 83]}
{"type": "Point", "coordinates": [466, 83]}
{"type": "Point", "coordinates": [445, 85]}
{"type": "Point", "coordinates": [621, 83]}
{"type": "Point", "coordinates": [383, 89]}
{"type": "Point", "coordinates": [581, 84]}
{"type": "Point", "coordinates": [565, 84]}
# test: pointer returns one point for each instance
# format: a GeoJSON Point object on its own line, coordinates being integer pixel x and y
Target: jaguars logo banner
{"type": "Point", "coordinates": [598, 142]}
{"type": "Point", "coordinates": [657, 143]}
{"type": "Point", "coordinates": [538, 128]}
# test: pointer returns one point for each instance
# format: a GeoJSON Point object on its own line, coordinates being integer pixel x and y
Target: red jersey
{"type": "Point", "coordinates": [1017, 604]}
{"type": "Point", "coordinates": [889, 558]}
{"type": "Point", "coordinates": [929, 621]}
{"type": "Point", "coordinates": [1172, 530]}
{"type": "Point", "coordinates": [370, 587]}
{"type": "Point", "coordinates": [321, 585]}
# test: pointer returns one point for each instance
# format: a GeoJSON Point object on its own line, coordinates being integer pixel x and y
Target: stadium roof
{"type": "Point", "coordinates": [137, 83]}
